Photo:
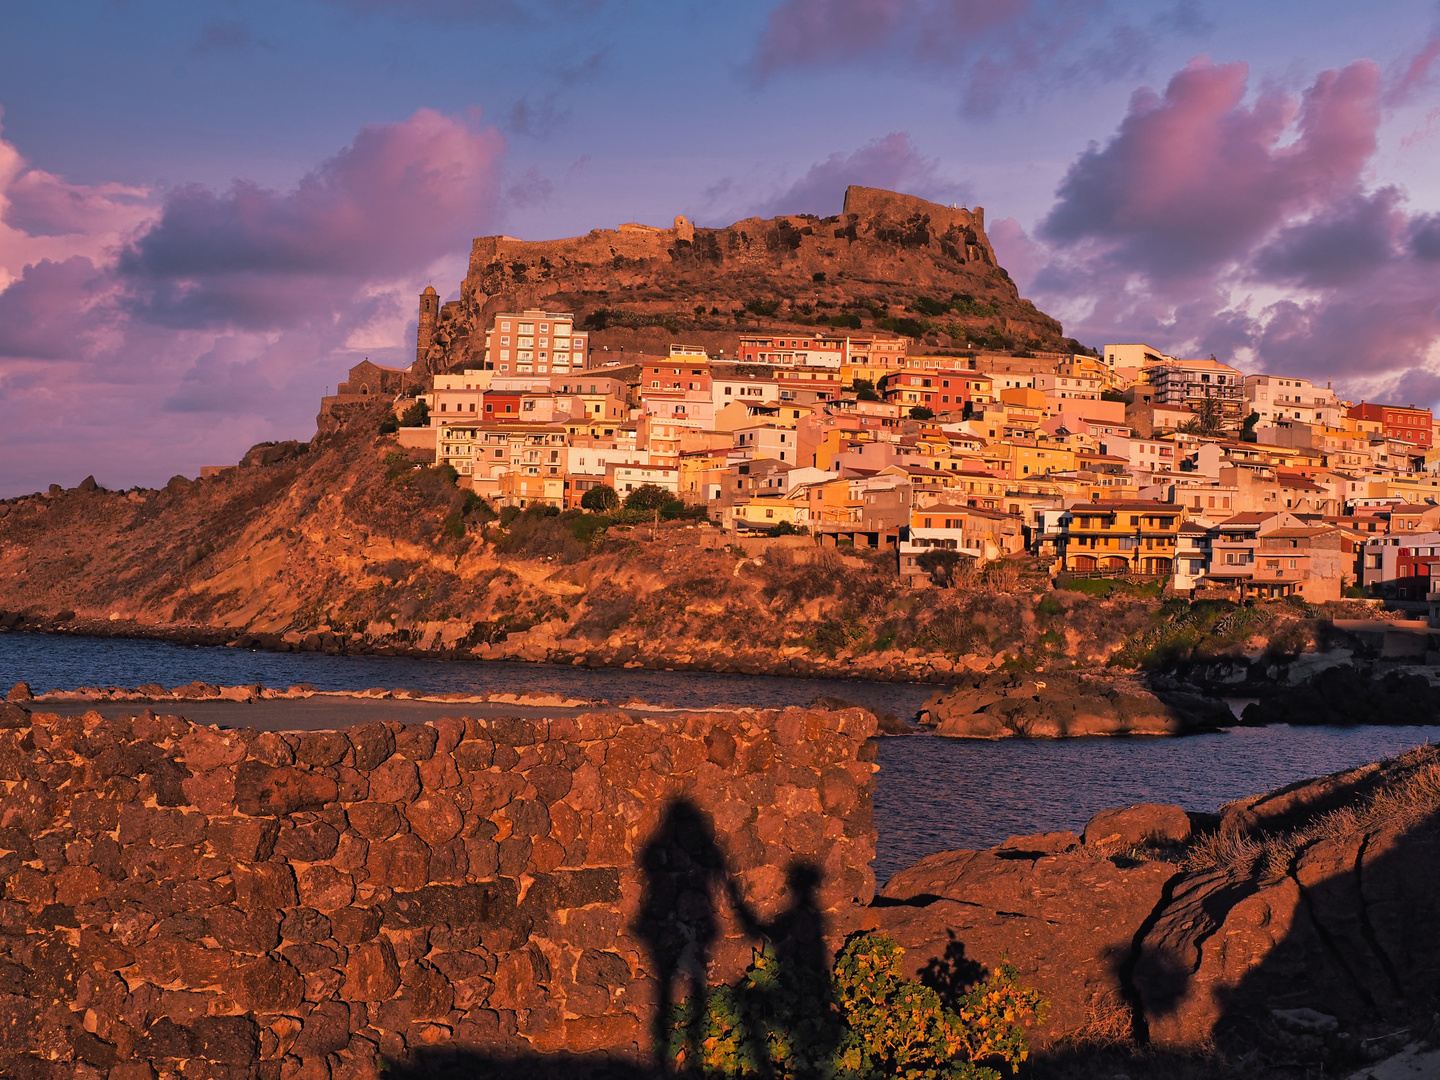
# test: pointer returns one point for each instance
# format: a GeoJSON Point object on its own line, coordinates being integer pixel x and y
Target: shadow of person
{"type": "Point", "coordinates": [953, 973]}
{"type": "Point", "coordinates": [790, 1003]}
{"type": "Point", "coordinates": [682, 867]}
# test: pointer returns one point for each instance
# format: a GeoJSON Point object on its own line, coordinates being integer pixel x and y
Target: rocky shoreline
{"type": "Point", "coordinates": [1289, 932]}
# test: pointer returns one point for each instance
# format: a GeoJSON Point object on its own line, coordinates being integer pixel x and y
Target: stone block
{"type": "Point", "coordinates": [372, 744]}
{"type": "Point", "coordinates": [416, 741]}
{"type": "Point", "coordinates": [371, 973]}
{"type": "Point", "coordinates": [307, 843]}
{"type": "Point", "coordinates": [402, 863]}
{"type": "Point", "coordinates": [266, 985]}
{"type": "Point", "coordinates": [434, 818]}
{"type": "Point", "coordinates": [490, 903]}
{"type": "Point", "coordinates": [397, 781]}
{"type": "Point", "coordinates": [353, 925]}
{"type": "Point", "coordinates": [325, 888]}
{"type": "Point", "coordinates": [272, 791]}
{"type": "Point", "coordinates": [322, 748]}
{"type": "Point", "coordinates": [243, 839]}
{"type": "Point", "coordinates": [374, 821]}
{"type": "Point", "coordinates": [265, 885]}
{"type": "Point", "coordinates": [253, 932]}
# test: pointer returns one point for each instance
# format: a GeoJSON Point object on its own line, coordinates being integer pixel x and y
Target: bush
{"type": "Point", "coordinates": [861, 1020]}
{"type": "Point", "coordinates": [784, 528]}
{"type": "Point", "coordinates": [867, 395]}
{"type": "Point", "coordinates": [940, 564]}
{"type": "Point", "coordinates": [602, 498]}
{"type": "Point", "coordinates": [920, 412]}
{"type": "Point", "coordinates": [846, 320]}
{"type": "Point", "coordinates": [417, 415]}
{"type": "Point", "coordinates": [389, 425]}
{"type": "Point", "coordinates": [648, 497]}
{"type": "Point", "coordinates": [762, 307]}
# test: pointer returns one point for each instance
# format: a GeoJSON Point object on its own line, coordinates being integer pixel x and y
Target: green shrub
{"type": "Point", "coordinates": [602, 497]}
{"type": "Point", "coordinates": [762, 307]}
{"type": "Point", "coordinates": [920, 412]}
{"type": "Point", "coordinates": [784, 528]}
{"type": "Point", "coordinates": [863, 1020]}
{"type": "Point", "coordinates": [846, 320]}
{"type": "Point", "coordinates": [1049, 606]}
{"type": "Point", "coordinates": [648, 497]}
{"type": "Point", "coordinates": [417, 415]}
{"type": "Point", "coordinates": [389, 425]}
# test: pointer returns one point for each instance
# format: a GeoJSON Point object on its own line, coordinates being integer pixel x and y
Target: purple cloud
{"type": "Point", "coordinates": [991, 47]}
{"type": "Point", "coordinates": [892, 161]}
{"type": "Point", "coordinates": [1207, 224]}
{"type": "Point", "coordinates": [139, 340]}
{"type": "Point", "coordinates": [397, 197]}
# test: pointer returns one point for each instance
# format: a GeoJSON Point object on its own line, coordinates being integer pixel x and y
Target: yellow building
{"type": "Point", "coordinates": [765, 512]}
{"type": "Point", "coordinates": [1124, 537]}
{"type": "Point", "coordinates": [1027, 460]}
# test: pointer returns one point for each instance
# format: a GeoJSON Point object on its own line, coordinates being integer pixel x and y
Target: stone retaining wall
{"type": "Point", "coordinates": [181, 900]}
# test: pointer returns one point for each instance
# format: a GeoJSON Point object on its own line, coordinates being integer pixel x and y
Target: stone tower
{"type": "Point", "coordinates": [425, 332]}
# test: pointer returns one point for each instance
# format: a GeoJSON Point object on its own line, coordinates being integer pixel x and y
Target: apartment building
{"type": "Point", "coordinates": [1276, 398]}
{"type": "Point", "coordinates": [1127, 537]}
{"type": "Point", "coordinates": [535, 342]}
{"type": "Point", "coordinates": [1403, 423]}
{"type": "Point", "coordinates": [1189, 383]}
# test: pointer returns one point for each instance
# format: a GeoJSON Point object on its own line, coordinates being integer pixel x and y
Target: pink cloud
{"type": "Point", "coordinates": [1195, 176]}
{"type": "Point", "coordinates": [1414, 74]}
{"type": "Point", "coordinates": [394, 199]}
{"type": "Point", "coordinates": [1212, 223]}
{"type": "Point", "coordinates": [139, 340]}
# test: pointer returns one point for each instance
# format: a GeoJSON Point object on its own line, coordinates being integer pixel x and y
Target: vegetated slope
{"type": "Point", "coordinates": [347, 543]}
{"type": "Point", "coordinates": [888, 261]}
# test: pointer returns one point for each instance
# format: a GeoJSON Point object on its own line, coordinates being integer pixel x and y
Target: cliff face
{"type": "Point", "coordinates": [641, 286]}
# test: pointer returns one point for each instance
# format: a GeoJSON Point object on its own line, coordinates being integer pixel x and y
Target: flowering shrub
{"type": "Point", "coordinates": [861, 1021]}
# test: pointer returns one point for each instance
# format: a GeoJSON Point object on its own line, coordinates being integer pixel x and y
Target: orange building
{"type": "Point", "coordinates": [1406, 423]}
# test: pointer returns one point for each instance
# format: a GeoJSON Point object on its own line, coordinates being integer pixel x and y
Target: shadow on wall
{"type": "Point", "coordinates": [686, 882]}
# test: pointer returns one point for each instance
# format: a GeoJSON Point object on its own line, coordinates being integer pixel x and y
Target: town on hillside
{"type": "Point", "coordinates": [1127, 463]}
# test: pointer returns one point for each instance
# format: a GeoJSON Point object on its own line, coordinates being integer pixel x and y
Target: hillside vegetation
{"type": "Point", "coordinates": [347, 545]}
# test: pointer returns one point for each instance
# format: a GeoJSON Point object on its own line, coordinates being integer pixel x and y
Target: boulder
{"type": "Point", "coordinates": [20, 692]}
{"type": "Point", "coordinates": [1145, 824]}
{"type": "Point", "coordinates": [1061, 705]}
{"type": "Point", "coordinates": [1064, 916]}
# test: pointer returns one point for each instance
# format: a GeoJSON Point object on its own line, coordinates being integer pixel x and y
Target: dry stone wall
{"type": "Point", "coordinates": [182, 900]}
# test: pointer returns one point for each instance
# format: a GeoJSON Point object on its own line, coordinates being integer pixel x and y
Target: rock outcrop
{"type": "Point", "coordinates": [1062, 704]}
{"type": "Point", "coordinates": [642, 286]}
{"type": "Point", "coordinates": [1298, 925]}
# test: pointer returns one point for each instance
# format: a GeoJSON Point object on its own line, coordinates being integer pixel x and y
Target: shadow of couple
{"type": "Point", "coordinates": [686, 877]}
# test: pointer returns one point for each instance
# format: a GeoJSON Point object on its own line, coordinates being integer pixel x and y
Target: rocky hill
{"type": "Point", "coordinates": [345, 545]}
{"type": "Point", "coordinates": [888, 261]}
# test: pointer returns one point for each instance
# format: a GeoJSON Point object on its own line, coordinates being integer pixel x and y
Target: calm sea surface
{"type": "Point", "coordinates": [933, 794]}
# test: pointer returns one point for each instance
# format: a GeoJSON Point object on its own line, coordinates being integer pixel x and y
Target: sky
{"type": "Point", "coordinates": [210, 211]}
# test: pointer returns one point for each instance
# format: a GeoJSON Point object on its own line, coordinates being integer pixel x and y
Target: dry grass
{"type": "Point", "coordinates": [1408, 794]}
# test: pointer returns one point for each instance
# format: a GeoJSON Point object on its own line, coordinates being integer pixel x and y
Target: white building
{"type": "Point", "coordinates": [1280, 397]}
